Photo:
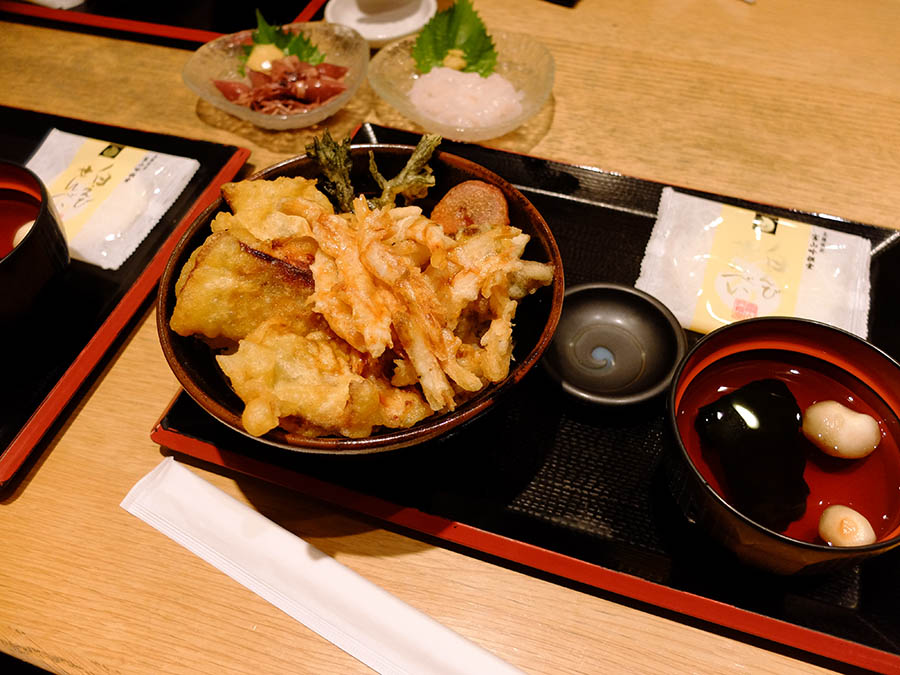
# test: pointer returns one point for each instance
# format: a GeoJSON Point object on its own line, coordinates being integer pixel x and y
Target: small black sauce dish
{"type": "Point", "coordinates": [615, 345]}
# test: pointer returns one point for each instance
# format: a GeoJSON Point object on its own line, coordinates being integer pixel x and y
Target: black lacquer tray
{"type": "Point", "coordinates": [50, 352]}
{"type": "Point", "coordinates": [549, 484]}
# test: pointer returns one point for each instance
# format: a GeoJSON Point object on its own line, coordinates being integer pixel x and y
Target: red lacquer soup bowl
{"type": "Point", "coordinates": [816, 362]}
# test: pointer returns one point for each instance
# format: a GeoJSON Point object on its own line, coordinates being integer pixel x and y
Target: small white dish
{"type": "Point", "coordinates": [381, 21]}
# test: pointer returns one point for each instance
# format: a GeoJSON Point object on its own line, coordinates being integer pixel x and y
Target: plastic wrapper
{"type": "Point", "coordinates": [713, 263]}
{"type": "Point", "coordinates": [109, 196]}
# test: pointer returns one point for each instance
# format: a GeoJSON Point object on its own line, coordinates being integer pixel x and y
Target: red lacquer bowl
{"type": "Point", "coordinates": [817, 362]}
{"type": "Point", "coordinates": [29, 266]}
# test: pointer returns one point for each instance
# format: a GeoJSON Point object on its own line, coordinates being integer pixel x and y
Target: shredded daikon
{"type": "Point", "coordinates": [465, 100]}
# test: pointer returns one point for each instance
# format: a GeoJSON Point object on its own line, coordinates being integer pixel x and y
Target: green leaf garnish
{"type": "Point", "coordinates": [289, 42]}
{"type": "Point", "coordinates": [458, 28]}
{"type": "Point", "coordinates": [303, 49]}
{"type": "Point", "coordinates": [413, 180]}
{"type": "Point", "coordinates": [336, 163]}
{"type": "Point", "coordinates": [264, 33]}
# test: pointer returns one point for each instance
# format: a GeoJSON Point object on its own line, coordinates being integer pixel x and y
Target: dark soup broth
{"type": "Point", "coordinates": [870, 485]}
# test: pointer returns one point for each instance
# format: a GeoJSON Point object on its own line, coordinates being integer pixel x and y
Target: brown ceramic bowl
{"type": "Point", "coordinates": [193, 361]}
{"type": "Point", "coordinates": [816, 362]}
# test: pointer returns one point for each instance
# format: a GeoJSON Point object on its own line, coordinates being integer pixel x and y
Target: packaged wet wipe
{"type": "Point", "coordinates": [109, 196]}
{"type": "Point", "coordinates": [713, 264]}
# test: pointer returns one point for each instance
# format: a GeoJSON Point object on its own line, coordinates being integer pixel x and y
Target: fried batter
{"type": "Point", "coordinates": [255, 200]}
{"type": "Point", "coordinates": [317, 378]}
{"type": "Point", "coordinates": [471, 204]}
{"type": "Point", "coordinates": [226, 289]}
{"type": "Point", "coordinates": [349, 322]}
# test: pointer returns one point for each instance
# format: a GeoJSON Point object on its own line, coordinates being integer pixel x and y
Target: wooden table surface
{"type": "Point", "coordinates": [795, 104]}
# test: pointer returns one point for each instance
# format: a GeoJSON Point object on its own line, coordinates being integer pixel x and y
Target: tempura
{"type": "Point", "coordinates": [344, 323]}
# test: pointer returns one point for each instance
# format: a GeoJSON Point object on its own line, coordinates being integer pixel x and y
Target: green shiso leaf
{"type": "Point", "coordinates": [290, 43]}
{"type": "Point", "coordinates": [303, 49]}
{"type": "Point", "coordinates": [264, 33]}
{"type": "Point", "coordinates": [458, 27]}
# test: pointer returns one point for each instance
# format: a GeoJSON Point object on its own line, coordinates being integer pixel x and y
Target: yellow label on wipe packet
{"type": "Point", "coordinates": [97, 168]}
{"type": "Point", "coordinates": [753, 269]}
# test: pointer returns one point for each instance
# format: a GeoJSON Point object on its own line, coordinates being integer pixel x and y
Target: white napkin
{"type": "Point", "coordinates": [359, 617]}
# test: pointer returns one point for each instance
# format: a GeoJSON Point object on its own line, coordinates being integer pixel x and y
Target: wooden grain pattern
{"type": "Point", "coordinates": [795, 104]}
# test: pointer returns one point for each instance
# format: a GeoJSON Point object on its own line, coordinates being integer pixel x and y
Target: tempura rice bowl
{"type": "Point", "coordinates": [194, 364]}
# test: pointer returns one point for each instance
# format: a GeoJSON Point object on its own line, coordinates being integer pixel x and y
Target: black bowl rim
{"type": "Point", "coordinates": [834, 551]}
{"type": "Point", "coordinates": [612, 400]}
{"type": "Point", "coordinates": [432, 426]}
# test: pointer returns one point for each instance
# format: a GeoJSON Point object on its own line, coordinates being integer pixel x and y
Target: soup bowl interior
{"type": "Point", "coordinates": [33, 249]}
{"type": "Point", "coordinates": [816, 362]}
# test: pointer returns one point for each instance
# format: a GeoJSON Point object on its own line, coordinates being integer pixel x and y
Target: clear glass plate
{"type": "Point", "coordinates": [219, 60]}
{"type": "Point", "coordinates": [523, 61]}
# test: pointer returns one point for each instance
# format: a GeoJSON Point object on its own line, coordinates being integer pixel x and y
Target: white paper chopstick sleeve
{"type": "Point", "coordinates": [356, 615]}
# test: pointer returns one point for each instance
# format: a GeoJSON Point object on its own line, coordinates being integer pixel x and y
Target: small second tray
{"type": "Point", "coordinates": [68, 331]}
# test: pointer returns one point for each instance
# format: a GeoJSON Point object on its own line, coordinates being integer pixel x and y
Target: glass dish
{"type": "Point", "coordinates": [523, 61]}
{"type": "Point", "coordinates": [219, 60]}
